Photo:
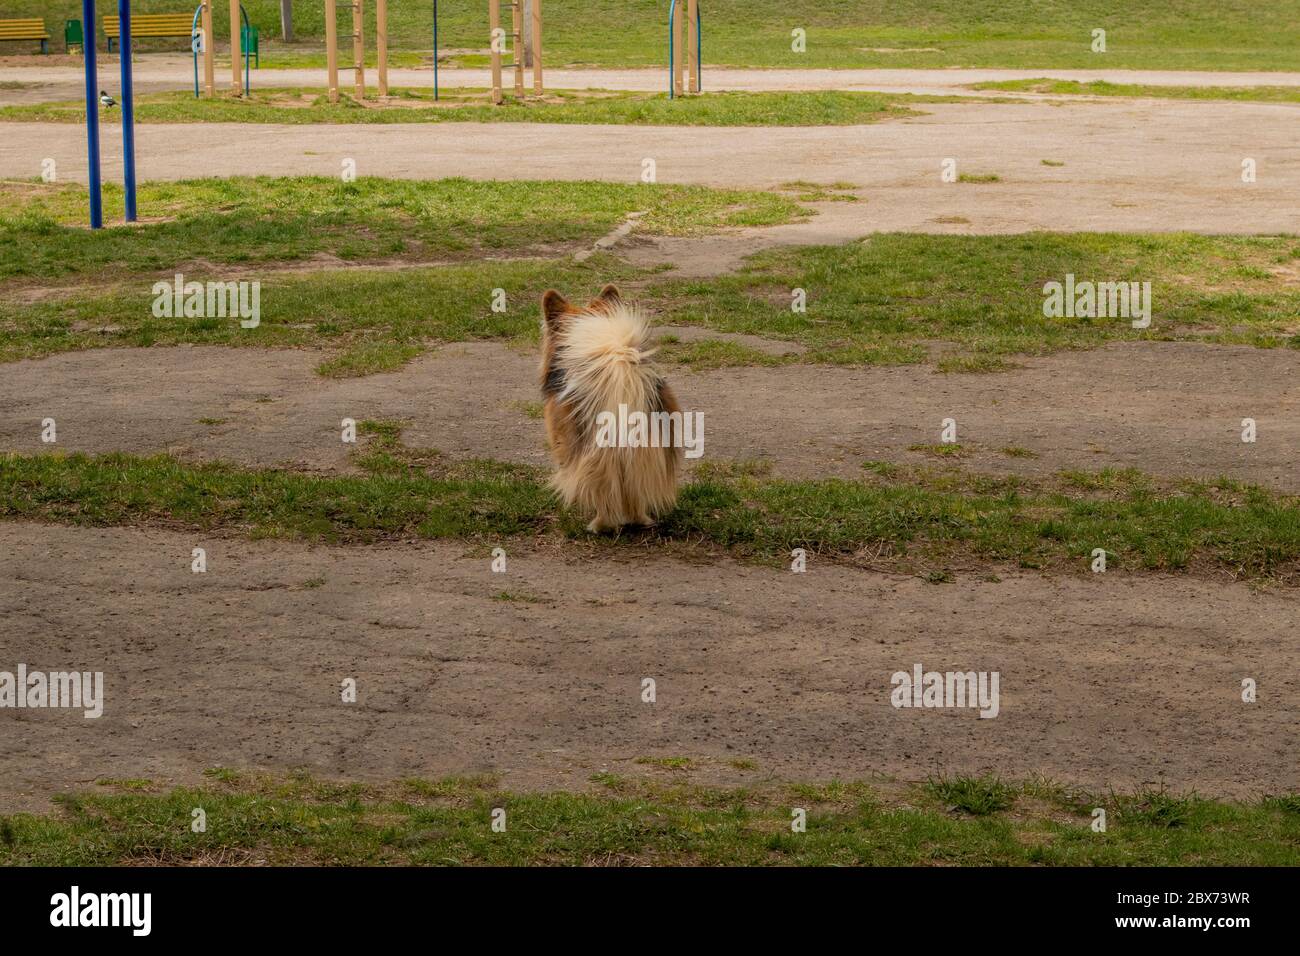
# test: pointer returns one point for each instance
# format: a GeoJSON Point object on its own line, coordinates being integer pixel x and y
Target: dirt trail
{"type": "Point", "coordinates": [1129, 165]}
{"type": "Point", "coordinates": [160, 72]}
{"type": "Point", "coordinates": [1102, 681]}
{"type": "Point", "coordinates": [1138, 405]}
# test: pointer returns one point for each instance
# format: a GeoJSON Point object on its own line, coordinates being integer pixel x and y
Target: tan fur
{"type": "Point", "coordinates": [594, 359]}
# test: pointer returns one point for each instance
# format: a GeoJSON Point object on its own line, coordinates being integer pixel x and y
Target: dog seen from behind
{"type": "Point", "coordinates": [596, 368]}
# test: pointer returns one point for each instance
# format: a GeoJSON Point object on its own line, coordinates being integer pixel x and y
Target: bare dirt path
{"type": "Point", "coordinates": [1128, 166]}
{"type": "Point", "coordinates": [1143, 405]}
{"type": "Point", "coordinates": [160, 72]}
{"type": "Point", "coordinates": [1103, 681]}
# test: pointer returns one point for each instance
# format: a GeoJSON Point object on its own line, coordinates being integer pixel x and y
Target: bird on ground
{"type": "Point", "coordinates": [106, 101]}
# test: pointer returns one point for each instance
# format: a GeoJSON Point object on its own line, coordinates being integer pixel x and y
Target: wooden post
{"type": "Point", "coordinates": [381, 43]}
{"type": "Point", "coordinates": [332, 48]}
{"type": "Point", "coordinates": [692, 39]}
{"type": "Point", "coordinates": [286, 20]}
{"type": "Point", "coordinates": [517, 21]}
{"type": "Point", "coordinates": [359, 48]}
{"type": "Point", "coordinates": [494, 27]}
{"type": "Point", "coordinates": [236, 74]}
{"type": "Point", "coordinates": [537, 47]}
{"type": "Point", "coordinates": [679, 42]}
{"type": "Point", "coordinates": [209, 58]}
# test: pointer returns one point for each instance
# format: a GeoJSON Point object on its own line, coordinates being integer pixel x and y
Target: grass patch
{"type": "Point", "coordinates": [704, 354]}
{"type": "Point", "coordinates": [588, 107]}
{"type": "Point", "coordinates": [299, 820]}
{"type": "Point", "coordinates": [367, 358]}
{"type": "Point", "coordinates": [375, 319]}
{"type": "Point", "coordinates": [1141, 34]}
{"type": "Point", "coordinates": [979, 178]}
{"type": "Point", "coordinates": [243, 222]}
{"type": "Point", "coordinates": [978, 796]}
{"type": "Point", "coordinates": [1252, 94]}
{"type": "Point", "coordinates": [910, 516]}
{"type": "Point", "coordinates": [888, 298]}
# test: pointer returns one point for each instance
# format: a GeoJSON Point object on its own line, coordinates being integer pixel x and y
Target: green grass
{"type": "Point", "coordinates": [253, 818]}
{"type": "Point", "coordinates": [887, 299]}
{"type": "Point", "coordinates": [883, 301]}
{"type": "Point", "coordinates": [914, 516]}
{"type": "Point", "coordinates": [1253, 94]}
{"type": "Point", "coordinates": [978, 796]}
{"type": "Point", "coordinates": [1141, 34]}
{"type": "Point", "coordinates": [195, 225]}
{"type": "Point", "coordinates": [370, 320]}
{"type": "Point", "coordinates": [298, 106]}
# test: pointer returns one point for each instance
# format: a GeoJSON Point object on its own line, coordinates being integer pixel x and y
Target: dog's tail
{"type": "Point", "coordinates": [606, 364]}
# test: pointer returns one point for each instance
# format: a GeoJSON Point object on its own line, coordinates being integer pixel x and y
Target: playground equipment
{"type": "Point", "coordinates": [680, 30]}
{"type": "Point", "coordinates": [127, 99]}
{"type": "Point", "coordinates": [358, 46]}
{"type": "Point", "coordinates": [201, 41]}
{"type": "Point", "coordinates": [517, 48]}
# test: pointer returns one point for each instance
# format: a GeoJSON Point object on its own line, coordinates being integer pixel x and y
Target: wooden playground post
{"type": "Point", "coordinates": [359, 48]}
{"type": "Point", "coordinates": [209, 59]}
{"type": "Point", "coordinates": [692, 41]}
{"type": "Point", "coordinates": [332, 48]}
{"type": "Point", "coordinates": [381, 43]}
{"type": "Point", "coordinates": [679, 41]}
{"type": "Point", "coordinates": [494, 27]}
{"type": "Point", "coordinates": [236, 47]}
{"type": "Point", "coordinates": [517, 44]}
{"type": "Point", "coordinates": [537, 47]}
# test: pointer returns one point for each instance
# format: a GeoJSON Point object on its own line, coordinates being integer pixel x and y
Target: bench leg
{"type": "Point", "coordinates": [44, 46]}
{"type": "Point", "coordinates": [110, 44]}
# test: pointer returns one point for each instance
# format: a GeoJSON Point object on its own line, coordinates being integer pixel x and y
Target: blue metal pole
{"type": "Point", "coordinates": [435, 49]}
{"type": "Point", "coordinates": [245, 40]}
{"type": "Point", "coordinates": [92, 113]}
{"type": "Point", "coordinates": [672, 71]}
{"type": "Point", "coordinates": [128, 108]}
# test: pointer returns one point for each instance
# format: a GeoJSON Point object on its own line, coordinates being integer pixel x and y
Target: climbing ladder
{"type": "Point", "coordinates": [517, 47]}
{"type": "Point", "coordinates": [684, 47]}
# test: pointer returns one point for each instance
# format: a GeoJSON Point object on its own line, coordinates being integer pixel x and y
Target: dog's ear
{"type": "Point", "coordinates": [609, 296]}
{"type": "Point", "coordinates": [554, 306]}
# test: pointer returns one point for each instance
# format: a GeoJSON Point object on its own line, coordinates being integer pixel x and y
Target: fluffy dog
{"type": "Point", "coordinates": [595, 360]}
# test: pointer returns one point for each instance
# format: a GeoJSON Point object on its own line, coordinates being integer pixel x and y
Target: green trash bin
{"type": "Point", "coordinates": [248, 44]}
{"type": "Point", "coordinates": [72, 36]}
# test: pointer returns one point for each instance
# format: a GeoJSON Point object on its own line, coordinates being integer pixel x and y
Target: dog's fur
{"type": "Point", "coordinates": [593, 360]}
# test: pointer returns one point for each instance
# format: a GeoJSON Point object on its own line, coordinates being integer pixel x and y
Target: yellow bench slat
{"type": "Point", "coordinates": [152, 25]}
{"type": "Point", "coordinates": [23, 30]}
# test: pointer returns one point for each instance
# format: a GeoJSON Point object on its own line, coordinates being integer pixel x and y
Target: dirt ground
{"type": "Point", "coordinates": [1143, 405]}
{"type": "Point", "coordinates": [62, 78]}
{"type": "Point", "coordinates": [1130, 166]}
{"type": "Point", "coordinates": [1103, 681]}
{"type": "Point", "coordinates": [1115, 680]}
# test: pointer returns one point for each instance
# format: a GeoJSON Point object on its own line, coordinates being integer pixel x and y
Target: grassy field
{"type": "Point", "coordinates": [1246, 94]}
{"type": "Point", "coordinates": [885, 300]}
{"type": "Point", "coordinates": [299, 106]}
{"type": "Point", "coordinates": [246, 221]}
{"type": "Point", "coordinates": [1141, 34]}
{"type": "Point", "coordinates": [954, 821]}
{"type": "Point", "coordinates": [914, 517]}
{"type": "Point", "coordinates": [880, 300]}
